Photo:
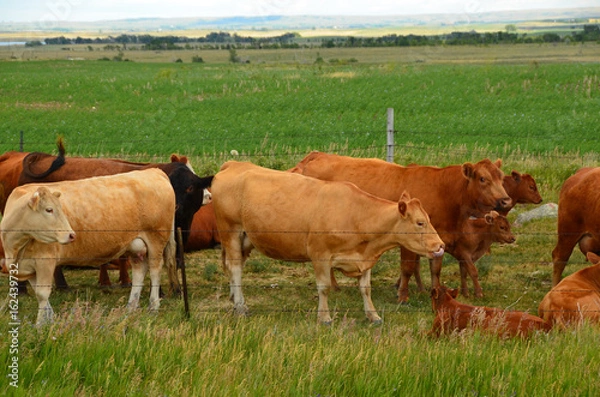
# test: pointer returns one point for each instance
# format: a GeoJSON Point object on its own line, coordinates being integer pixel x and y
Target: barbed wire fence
{"type": "Point", "coordinates": [31, 144]}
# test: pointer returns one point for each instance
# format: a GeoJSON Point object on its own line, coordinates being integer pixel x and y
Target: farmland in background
{"type": "Point", "coordinates": [538, 113]}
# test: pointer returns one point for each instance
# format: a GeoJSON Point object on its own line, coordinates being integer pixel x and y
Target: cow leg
{"type": "Point", "coordinates": [464, 289]}
{"type": "Point", "coordinates": [408, 261]}
{"type": "Point", "coordinates": [138, 273]}
{"type": "Point", "coordinates": [234, 254]}
{"type": "Point", "coordinates": [103, 278]}
{"type": "Point", "coordinates": [364, 283]}
{"type": "Point", "coordinates": [323, 276]}
{"type": "Point", "coordinates": [435, 265]}
{"type": "Point", "coordinates": [124, 273]}
{"type": "Point", "coordinates": [59, 279]}
{"type": "Point", "coordinates": [41, 283]}
{"type": "Point", "coordinates": [417, 274]}
{"type": "Point", "coordinates": [562, 252]}
{"type": "Point", "coordinates": [155, 269]}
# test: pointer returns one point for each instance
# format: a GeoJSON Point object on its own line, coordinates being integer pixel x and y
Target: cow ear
{"type": "Point", "coordinates": [516, 176]}
{"type": "Point", "coordinates": [498, 163]}
{"type": "Point", "coordinates": [593, 258]}
{"type": "Point", "coordinates": [402, 208]}
{"type": "Point", "coordinates": [453, 292]}
{"type": "Point", "coordinates": [489, 218]}
{"type": "Point", "coordinates": [35, 200]}
{"type": "Point", "coordinates": [468, 170]}
{"type": "Point", "coordinates": [435, 293]}
{"type": "Point", "coordinates": [56, 194]}
{"type": "Point", "coordinates": [405, 196]}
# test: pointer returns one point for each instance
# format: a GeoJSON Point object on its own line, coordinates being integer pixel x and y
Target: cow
{"type": "Point", "coordinates": [575, 298]}
{"type": "Point", "coordinates": [291, 217]}
{"type": "Point", "coordinates": [203, 231]}
{"type": "Point", "coordinates": [447, 194]}
{"type": "Point", "coordinates": [10, 170]}
{"type": "Point", "coordinates": [522, 189]}
{"type": "Point", "coordinates": [578, 217]}
{"type": "Point", "coordinates": [453, 316]}
{"type": "Point", "coordinates": [129, 214]}
{"type": "Point", "coordinates": [472, 242]}
{"type": "Point", "coordinates": [191, 191]}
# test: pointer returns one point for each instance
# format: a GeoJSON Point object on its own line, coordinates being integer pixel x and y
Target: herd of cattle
{"type": "Point", "coordinates": [340, 213]}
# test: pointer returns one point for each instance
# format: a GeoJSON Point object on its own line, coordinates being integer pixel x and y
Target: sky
{"type": "Point", "coordinates": [98, 10]}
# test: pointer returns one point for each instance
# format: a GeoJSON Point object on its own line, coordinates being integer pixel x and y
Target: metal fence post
{"type": "Point", "coordinates": [390, 135]}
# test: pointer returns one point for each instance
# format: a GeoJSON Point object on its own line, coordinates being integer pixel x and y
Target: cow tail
{"type": "Point", "coordinates": [170, 259]}
{"type": "Point", "coordinates": [31, 158]}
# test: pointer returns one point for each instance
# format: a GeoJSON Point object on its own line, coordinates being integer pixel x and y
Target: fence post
{"type": "Point", "coordinates": [21, 142]}
{"type": "Point", "coordinates": [390, 135]}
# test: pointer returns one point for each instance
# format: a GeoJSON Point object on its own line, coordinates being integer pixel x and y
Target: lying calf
{"type": "Point", "coordinates": [453, 316]}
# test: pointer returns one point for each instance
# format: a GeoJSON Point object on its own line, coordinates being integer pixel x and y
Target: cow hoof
{"type": "Point", "coordinates": [327, 323]}
{"type": "Point", "coordinates": [126, 285]}
{"type": "Point", "coordinates": [377, 323]}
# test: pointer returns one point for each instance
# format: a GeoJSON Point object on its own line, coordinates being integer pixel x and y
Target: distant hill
{"type": "Point", "coordinates": [306, 22]}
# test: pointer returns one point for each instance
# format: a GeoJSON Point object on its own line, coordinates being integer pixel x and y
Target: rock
{"type": "Point", "coordinates": [549, 210]}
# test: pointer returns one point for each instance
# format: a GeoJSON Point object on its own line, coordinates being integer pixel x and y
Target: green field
{"type": "Point", "coordinates": [539, 117]}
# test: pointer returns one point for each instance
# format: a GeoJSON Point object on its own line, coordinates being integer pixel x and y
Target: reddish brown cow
{"type": "Point", "coordinates": [11, 165]}
{"type": "Point", "coordinates": [578, 217]}
{"type": "Point", "coordinates": [454, 316]}
{"type": "Point", "coordinates": [575, 298]}
{"type": "Point", "coordinates": [203, 232]}
{"type": "Point", "coordinates": [522, 189]}
{"type": "Point", "coordinates": [448, 194]}
{"type": "Point", "coordinates": [477, 236]}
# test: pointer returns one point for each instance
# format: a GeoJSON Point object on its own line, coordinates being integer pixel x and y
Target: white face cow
{"type": "Point", "coordinates": [39, 216]}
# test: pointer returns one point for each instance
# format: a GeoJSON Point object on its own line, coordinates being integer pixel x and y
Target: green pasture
{"type": "Point", "coordinates": [538, 117]}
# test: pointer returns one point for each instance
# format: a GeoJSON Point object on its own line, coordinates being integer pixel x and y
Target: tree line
{"type": "Point", "coordinates": [224, 40]}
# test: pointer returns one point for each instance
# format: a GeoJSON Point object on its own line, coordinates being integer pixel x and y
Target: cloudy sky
{"type": "Point", "coordinates": [95, 10]}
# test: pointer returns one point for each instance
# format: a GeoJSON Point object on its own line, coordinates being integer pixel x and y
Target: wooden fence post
{"type": "Point", "coordinates": [21, 142]}
{"type": "Point", "coordinates": [390, 135]}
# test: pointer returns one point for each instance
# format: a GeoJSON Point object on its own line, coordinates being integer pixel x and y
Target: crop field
{"type": "Point", "coordinates": [539, 114]}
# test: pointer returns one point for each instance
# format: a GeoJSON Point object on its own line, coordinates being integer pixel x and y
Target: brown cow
{"type": "Point", "coordinates": [299, 219]}
{"type": "Point", "coordinates": [448, 194]}
{"type": "Point", "coordinates": [454, 316]}
{"type": "Point", "coordinates": [477, 235]}
{"type": "Point", "coordinates": [575, 298]}
{"type": "Point", "coordinates": [127, 214]}
{"type": "Point", "coordinates": [522, 189]}
{"type": "Point", "coordinates": [203, 232]}
{"type": "Point", "coordinates": [578, 217]}
{"type": "Point", "coordinates": [11, 165]}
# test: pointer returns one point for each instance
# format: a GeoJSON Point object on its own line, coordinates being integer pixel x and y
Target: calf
{"type": "Point", "coordinates": [522, 189]}
{"type": "Point", "coordinates": [453, 316]}
{"type": "Point", "coordinates": [127, 214]}
{"type": "Point", "coordinates": [295, 218]}
{"type": "Point", "coordinates": [474, 240]}
{"type": "Point", "coordinates": [575, 298]}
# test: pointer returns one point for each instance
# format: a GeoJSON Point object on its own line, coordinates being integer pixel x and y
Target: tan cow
{"type": "Point", "coordinates": [575, 298]}
{"type": "Point", "coordinates": [454, 316]}
{"type": "Point", "coordinates": [578, 217]}
{"type": "Point", "coordinates": [448, 194]}
{"type": "Point", "coordinates": [294, 218]}
{"type": "Point", "coordinates": [127, 214]}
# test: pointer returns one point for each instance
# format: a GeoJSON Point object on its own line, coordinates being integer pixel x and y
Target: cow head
{"type": "Point", "coordinates": [522, 188]}
{"type": "Point", "coordinates": [191, 192]}
{"type": "Point", "coordinates": [500, 228]}
{"type": "Point", "coordinates": [418, 223]}
{"type": "Point", "coordinates": [441, 295]}
{"type": "Point", "coordinates": [45, 220]}
{"type": "Point", "coordinates": [485, 185]}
